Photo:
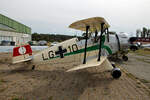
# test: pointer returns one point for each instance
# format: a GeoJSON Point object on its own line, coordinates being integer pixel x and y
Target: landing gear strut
{"type": "Point", "coordinates": [33, 67]}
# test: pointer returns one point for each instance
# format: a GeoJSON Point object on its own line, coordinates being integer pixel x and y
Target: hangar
{"type": "Point", "coordinates": [13, 31]}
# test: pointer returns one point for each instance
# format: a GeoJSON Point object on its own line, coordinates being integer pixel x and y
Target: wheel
{"type": "Point", "coordinates": [133, 48]}
{"type": "Point", "coordinates": [33, 67]}
{"type": "Point", "coordinates": [116, 73]}
{"type": "Point", "coordinates": [125, 58]}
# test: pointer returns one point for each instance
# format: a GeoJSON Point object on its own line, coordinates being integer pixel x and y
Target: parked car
{"type": "Point", "coordinates": [135, 46]}
{"type": "Point", "coordinates": [42, 43]}
{"type": "Point", "coordinates": [7, 43]}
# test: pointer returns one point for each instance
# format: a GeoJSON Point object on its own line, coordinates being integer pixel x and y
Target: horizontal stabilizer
{"type": "Point", "coordinates": [23, 60]}
{"type": "Point", "coordinates": [92, 63]}
{"type": "Point", "coordinates": [22, 53]}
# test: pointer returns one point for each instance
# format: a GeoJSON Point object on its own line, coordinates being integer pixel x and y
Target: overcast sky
{"type": "Point", "coordinates": [54, 16]}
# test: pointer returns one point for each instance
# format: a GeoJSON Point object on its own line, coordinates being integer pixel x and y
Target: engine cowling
{"type": "Point", "coordinates": [116, 73]}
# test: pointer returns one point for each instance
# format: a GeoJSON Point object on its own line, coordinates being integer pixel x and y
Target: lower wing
{"type": "Point", "coordinates": [92, 63]}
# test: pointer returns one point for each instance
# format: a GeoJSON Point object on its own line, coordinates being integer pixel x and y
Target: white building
{"type": "Point", "coordinates": [13, 31]}
{"type": "Point", "coordinates": [18, 38]}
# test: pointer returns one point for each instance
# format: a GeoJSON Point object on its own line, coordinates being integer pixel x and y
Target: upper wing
{"type": "Point", "coordinates": [93, 22]}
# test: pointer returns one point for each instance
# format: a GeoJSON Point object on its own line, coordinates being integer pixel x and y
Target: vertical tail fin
{"type": "Point", "coordinates": [22, 53]}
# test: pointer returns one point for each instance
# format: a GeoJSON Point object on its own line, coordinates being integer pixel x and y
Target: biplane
{"type": "Point", "coordinates": [93, 51]}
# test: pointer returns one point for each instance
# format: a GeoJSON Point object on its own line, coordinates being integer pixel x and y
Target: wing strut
{"type": "Point", "coordinates": [118, 42]}
{"type": "Point", "coordinates": [99, 54]}
{"type": "Point", "coordinates": [107, 35]}
{"type": "Point", "coordinates": [95, 39]}
{"type": "Point", "coordinates": [86, 37]}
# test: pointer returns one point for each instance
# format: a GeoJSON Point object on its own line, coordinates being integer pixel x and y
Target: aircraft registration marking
{"type": "Point", "coordinates": [74, 50]}
{"type": "Point", "coordinates": [60, 52]}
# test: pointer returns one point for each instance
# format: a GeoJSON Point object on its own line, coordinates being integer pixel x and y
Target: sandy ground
{"type": "Point", "coordinates": [47, 82]}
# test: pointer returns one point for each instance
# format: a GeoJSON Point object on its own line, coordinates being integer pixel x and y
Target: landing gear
{"type": "Point", "coordinates": [125, 58]}
{"type": "Point", "coordinates": [116, 73]}
{"type": "Point", "coordinates": [33, 67]}
{"type": "Point", "coordinates": [133, 48]}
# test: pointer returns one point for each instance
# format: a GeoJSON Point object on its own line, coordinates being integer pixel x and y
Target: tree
{"type": "Point", "coordinates": [148, 33]}
{"type": "Point", "coordinates": [52, 37]}
{"type": "Point", "coordinates": [138, 32]}
{"type": "Point", "coordinates": [144, 32]}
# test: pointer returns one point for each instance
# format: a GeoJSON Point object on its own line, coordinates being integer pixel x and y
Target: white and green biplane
{"type": "Point", "coordinates": [90, 52]}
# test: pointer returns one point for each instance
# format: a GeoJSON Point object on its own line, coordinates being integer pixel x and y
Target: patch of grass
{"type": "Point", "coordinates": [15, 98]}
{"type": "Point", "coordinates": [105, 93]}
{"type": "Point", "coordinates": [2, 90]}
{"type": "Point", "coordinates": [143, 52]}
{"type": "Point", "coordinates": [4, 60]}
{"type": "Point", "coordinates": [130, 75]}
{"type": "Point", "coordinates": [50, 98]}
{"type": "Point", "coordinates": [143, 60]}
{"type": "Point", "coordinates": [2, 81]}
{"type": "Point", "coordinates": [138, 86]}
{"type": "Point", "coordinates": [138, 83]}
{"type": "Point", "coordinates": [144, 81]}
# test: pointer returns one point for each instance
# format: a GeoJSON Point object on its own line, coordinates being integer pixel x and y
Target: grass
{"type": "Point", "coordinates": [15, 98]}
{"type": "Point", "coordinates": [133, 77]}
{"type": "Point", "coordinates": [138, 86]}
{"type": "Point", "coordinates": [50, 98]}
{"type": "Point", "coordinates": [4, 60]}
{"type": "Point", "coordinates": [2, 90]}
{"type": "Point", "coordinates": [130, 75]}
{"type": "Point", "coordinates": [138, 83]}
{"type": "Point", "coordinates": [143, 60]}
{"type": "Point", "coordinates": [143, 52]}
{"type": "Point", "coordinates": [144, 81]}
{"type": "Point", "coordinates": [105, 93]}
{"type": "Point", "coordinates": [2, 81]}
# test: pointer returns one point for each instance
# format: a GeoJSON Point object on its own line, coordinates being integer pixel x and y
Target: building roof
{"type": "Point", "coordinates": [8, 24]}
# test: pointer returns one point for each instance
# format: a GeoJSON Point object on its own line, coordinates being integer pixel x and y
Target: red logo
{"type": "Point", "coordinates": [22, 50]}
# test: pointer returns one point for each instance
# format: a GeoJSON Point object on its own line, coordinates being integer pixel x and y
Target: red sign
{"type": "Point", "coordinates": [22, 50]}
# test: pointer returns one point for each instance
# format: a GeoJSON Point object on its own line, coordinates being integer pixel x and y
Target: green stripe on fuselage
{"type": "Point", "coordinates": [91, 48]}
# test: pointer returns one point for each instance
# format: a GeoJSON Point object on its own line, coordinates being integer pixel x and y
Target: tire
{"type": "Point", "coordinates": [133, 48]}
{"type": "Point", "coordinates": [116, 73]}
{"type": "Point", "coordinates": [125, 58]}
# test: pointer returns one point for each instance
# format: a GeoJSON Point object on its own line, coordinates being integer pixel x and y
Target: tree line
{"type": "Point", "coordinates": [145, 32]}
{"type": "Point", "coordinates": [52, 37]}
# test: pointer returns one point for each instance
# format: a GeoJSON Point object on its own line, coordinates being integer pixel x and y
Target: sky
{"type": "Point", "coordinates": [54, 16]}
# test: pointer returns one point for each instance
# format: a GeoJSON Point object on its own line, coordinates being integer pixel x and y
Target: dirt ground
{"type": "Point", "coordinates": [47, 82]}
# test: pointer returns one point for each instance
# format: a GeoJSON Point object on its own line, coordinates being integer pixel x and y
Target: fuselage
{"type": "Point", "coordinates": [73, 46]}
